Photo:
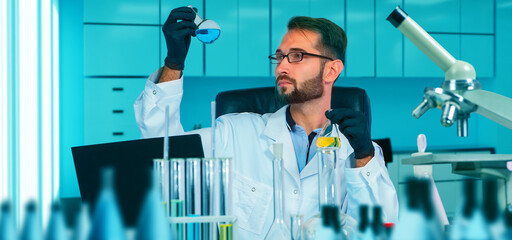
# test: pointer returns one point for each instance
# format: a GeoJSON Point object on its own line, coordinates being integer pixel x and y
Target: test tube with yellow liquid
{"type": "Point", "coordinates": [328, 137]}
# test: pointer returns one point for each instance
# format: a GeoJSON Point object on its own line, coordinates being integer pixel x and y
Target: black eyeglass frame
{"type": "Point", "coordinates": [274, 58]}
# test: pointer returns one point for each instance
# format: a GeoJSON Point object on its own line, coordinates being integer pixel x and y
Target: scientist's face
{"type": "Point", "coordinates": [302, 81]}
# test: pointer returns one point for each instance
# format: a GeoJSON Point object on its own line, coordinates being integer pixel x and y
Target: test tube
{"type": "Point", "coordinates": [193, 195]}
{"type": "Point", "coordinates": [226, 231]}
{"type": "Point", "coordinates": [328, 176]}
{"type": "Point", "coordinates": [208, 189]}
{"type": "Point", "coordinates": [225, 187]}
{"type": "Point", "coordinates": [177, 194]}
{"type": "Point", "coordinates": [161, 170]}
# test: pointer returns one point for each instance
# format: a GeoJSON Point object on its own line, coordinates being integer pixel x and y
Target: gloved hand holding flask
{"type": "Point", "coordinates": [354, 125]}
{"type": "Point", "coordinates": [178, 30]}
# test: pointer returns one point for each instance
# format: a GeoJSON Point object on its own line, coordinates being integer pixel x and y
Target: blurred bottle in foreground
{"type": "Point", "coordinates": [417, 219]}
{"type": "Point", "coordinates": [31, 229]}
{"type": "Point", "coordinates": [107, 223]}
{"type": "Point", "coordinates": [56, 229]}
{"type": "Point", "coordinates": [7, 229]}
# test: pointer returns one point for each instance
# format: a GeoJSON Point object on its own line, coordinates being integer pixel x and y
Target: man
{"type": "Point", "coordinates": [309, 60]}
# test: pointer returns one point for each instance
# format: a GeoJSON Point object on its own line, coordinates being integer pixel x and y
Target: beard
{"type": "Point", "coordinates": [309, 90]}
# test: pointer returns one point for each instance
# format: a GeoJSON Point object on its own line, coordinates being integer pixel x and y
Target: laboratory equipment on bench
{"type": "Point", "coordinates": [461, 93]}
{"type": "Point", "coordinates": [207, 30]}
{"type": "Point", "coordinates": [296, 226]}
{"type": "Point", "coordinates": [200, 197]}
{"type": "Point", "coordinates": [152, 222]}
{"type": "Point", "coordinates": [56, 228]}
{"type": "Point", "coordinates": [329, 179]}
{"type": "Point", "coordinates": [7, 228]}
{"type": "Point", "coordinates": [279, 228]}
{"type": "Point", "coordinates": [417, 220]}
{"type": "Point", "coordinates": [330, 228]}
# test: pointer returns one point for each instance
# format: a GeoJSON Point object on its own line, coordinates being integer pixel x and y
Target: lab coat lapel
{"type": "Point", "coordinates": [277, 130]}
{"type": "Point", "coordinates": [311, 168]}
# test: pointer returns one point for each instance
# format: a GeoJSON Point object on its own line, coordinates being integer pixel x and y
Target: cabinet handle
{"type": "Point", "coordinates": [118, 133]}
{"type": "Point", "coordinates": [117, 89]}
{"type": "Point", "coordinates": [117, 111]}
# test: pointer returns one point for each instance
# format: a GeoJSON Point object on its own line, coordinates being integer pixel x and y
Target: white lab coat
{"type": "Point", "coordinates": [248, 138]}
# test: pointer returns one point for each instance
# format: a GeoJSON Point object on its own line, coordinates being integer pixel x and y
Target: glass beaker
{"type": "Point", "coordinates": [279, 228]}
{"type": "Point", "coordinates": [328, 136]}
{"type": "Point", "coordinates": [207, 30]}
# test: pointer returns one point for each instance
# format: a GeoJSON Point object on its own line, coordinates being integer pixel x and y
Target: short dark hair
{"type": "Point", "coordinates": [333, 40]}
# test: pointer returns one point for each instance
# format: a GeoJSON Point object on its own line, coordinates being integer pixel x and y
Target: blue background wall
{"type": "Point", "coordinates": [108, 45]}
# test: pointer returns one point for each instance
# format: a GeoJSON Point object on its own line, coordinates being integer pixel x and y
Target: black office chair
{"type": "Point", "coordinates": [264, 100]}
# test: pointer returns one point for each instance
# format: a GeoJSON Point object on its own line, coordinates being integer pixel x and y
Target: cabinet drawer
{"type": "Point", "coordinates": [435, 16]}
{"type": "Point", "coordinates": [108, 109]}
{"type": "Point", "coordinates": [121, 11]}
{"type": "Point", "coordinates": [113, 50]}
{"type": "Point", "coordinates": [417, 64]}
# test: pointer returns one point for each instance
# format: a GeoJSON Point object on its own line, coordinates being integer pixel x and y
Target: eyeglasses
{"type": "Point", "coordinates": [293, 57]}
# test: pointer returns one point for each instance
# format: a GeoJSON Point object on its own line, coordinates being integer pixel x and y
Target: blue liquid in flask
{"type": "Point", "coordinates": [206, 35]}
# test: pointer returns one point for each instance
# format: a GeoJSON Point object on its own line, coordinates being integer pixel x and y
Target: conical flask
{"type": "Point", "coordinates": [56, 229]}
{"type": "Point", "coordinates": [279, 229]}
{"type": "Point", "coordinates": [152, 223]}
{"type": "Point", "coordinates": [7, 229]}
{"type": "Point", "coordinates": [328, 136]}
{"type": "Point", "coordinates": [31, 229]}
{"type": "Point", "coordinates": [107, 223]}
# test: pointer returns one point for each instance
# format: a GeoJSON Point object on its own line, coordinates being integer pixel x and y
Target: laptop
{"type": "Point", "coordinates": [132, 162]}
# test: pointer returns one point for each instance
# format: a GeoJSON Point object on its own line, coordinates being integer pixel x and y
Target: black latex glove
{"type": "Point", "coordinates": [354, 125]}
{"type": "Point", "coordinates": [177, 36]}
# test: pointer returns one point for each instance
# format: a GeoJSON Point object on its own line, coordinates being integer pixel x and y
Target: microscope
{"type": "Point", "coordinates": [461, 93]}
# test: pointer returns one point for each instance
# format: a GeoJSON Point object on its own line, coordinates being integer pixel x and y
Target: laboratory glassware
{"type": "Point", "coordinates": [210, 170]}
{"type": "Point", "coordinates": [297, 223]}
{"type": "Point", "coordinates": [56, 229]}
{"type": "Point", "coordinates": [107, 222]}
{"type": "Point", "coordinates": [279, 228]}
{"type": "Point", "coordinates": [161, 171]}
{"type": "Point", "coordinates": [328, 136]}
{"type": "Point", "coordinates": [31, 229]}
{"type": "Point", "coordinates": [82, 223]}
{"type": "Point", "coordinates": [417, 220]}
{"type": "Point", "coordinates": [207, 31]}
{"type": "Point", "coordinates": [329, 179]}
{"type": "Point", "coordinates": [216, 192]}
{"type": "Point", "coordinates": [7, 228]}
{"type": "Point", "coordinates": [330, 228]}
{"type": "Point", "coordinates": [177, 194]}
{"type": "Point", "coordinates": [329, 176]}
{"type": "Point", "coordinates": [153, 222]}
{"type": "Point", "coordinates": [193, 195]}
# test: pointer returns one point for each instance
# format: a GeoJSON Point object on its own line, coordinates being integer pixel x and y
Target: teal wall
{"type": "Point", "coordinates": [71, 91]}
{"type": "Point", "coordinates": [379, 60]}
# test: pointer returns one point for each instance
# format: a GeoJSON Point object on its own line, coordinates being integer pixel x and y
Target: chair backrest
{"type": "Point", "coordinates": [264, 100]}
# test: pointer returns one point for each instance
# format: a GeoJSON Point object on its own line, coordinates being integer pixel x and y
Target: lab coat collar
{"type": "Point", "coordinates": [277, 130]}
